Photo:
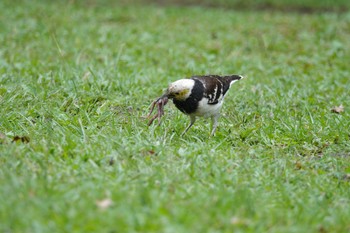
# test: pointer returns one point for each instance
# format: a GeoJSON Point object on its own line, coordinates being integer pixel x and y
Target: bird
{"type": "Point", "coordinates": [201, 96]}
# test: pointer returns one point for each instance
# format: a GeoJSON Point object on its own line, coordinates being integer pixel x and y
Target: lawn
{"type": "Point", "coordinates": [76, 154]}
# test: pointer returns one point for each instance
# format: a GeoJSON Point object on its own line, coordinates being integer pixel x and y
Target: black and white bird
{"type": "Point", "coordinates": [201, 96]}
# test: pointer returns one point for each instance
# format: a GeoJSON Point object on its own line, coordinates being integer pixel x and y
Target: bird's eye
{"type": "Point", "coordinates": [176, 93]}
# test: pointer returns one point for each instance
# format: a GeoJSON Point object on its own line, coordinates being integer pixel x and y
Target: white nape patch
{"type": "Point", "coordinates": [182, 84]}
{"type": "Point", "coordinates": [181, 88]}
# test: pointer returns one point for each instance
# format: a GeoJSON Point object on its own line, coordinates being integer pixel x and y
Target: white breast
{"type": "Point", "coordinates": [208, 110]}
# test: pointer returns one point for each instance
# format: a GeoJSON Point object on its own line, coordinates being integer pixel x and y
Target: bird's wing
{"type": "Point", "coordinates": [214, 87]}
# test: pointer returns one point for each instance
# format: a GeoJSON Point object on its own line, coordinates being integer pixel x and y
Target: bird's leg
{"type": "Point", "coordinates": [193, 119]}
{"type": "Point", "coordinates": [214, 124]}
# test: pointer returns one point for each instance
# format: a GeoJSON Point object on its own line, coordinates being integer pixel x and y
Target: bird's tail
{"type": "Point", "coordinates": [234, 77]}
{"type": "Point", "coordinates": [230, 79]}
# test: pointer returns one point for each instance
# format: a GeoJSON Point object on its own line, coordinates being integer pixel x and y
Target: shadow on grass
{"type": "Point", "coordinates": [306, 6]}
{"type": "Point", "coordinates": [287, 6]}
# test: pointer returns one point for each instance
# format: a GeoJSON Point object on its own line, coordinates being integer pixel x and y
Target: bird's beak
{"type": "Point", "coordinates": [164, 96]}
{"type": "Point", "coordinates": [167, 94]}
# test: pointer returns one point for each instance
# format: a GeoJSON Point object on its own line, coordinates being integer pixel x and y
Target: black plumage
{"type": "Point", "coordinates": [190, 104]}
{"type": "Point", "coordinates": [216, 86]}
{"type": "Point", "coordinates": [201, 96]}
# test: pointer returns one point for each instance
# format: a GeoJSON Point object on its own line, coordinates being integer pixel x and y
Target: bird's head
{"type": "Point", "coordinates": [180, 89]}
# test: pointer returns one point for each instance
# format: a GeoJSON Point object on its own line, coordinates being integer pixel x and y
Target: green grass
{"type": "Point", "coordinates": [76, 80]}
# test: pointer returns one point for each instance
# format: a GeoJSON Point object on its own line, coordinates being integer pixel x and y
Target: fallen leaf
{"type": "Point", "coordinates": [104, 203]}
{"type": "Point", "coordinates": [235, 221]}
{"type": "Point", "coordinates": [346, 177]}
{"type": "Point", "coordinates": [23, 139]}
{"type": "Point", "coordinates": [338, 109]}
{"type": "Point", "coordinates": [321, 229]}
{"type": "Point", "coordinates": [111, 161]}
{"type": "Point", "coordinates": [298, 165]}
{"type": "Point", "coordinates": [86, 76]}
{"type": "Point", "coordinates": [151, 152]}
{"type": "Point", "coordinates": [3, 139]}
{"type": "Point", "coordinates": [31, 193]}
{"type": "Point", "coordinates": [238, 221]}
{"type": "Point", "coordinates": [148, 152]}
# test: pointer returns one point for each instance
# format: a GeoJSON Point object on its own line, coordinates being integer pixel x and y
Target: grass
{"type": "Point", "coordinates": [77, 78]}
